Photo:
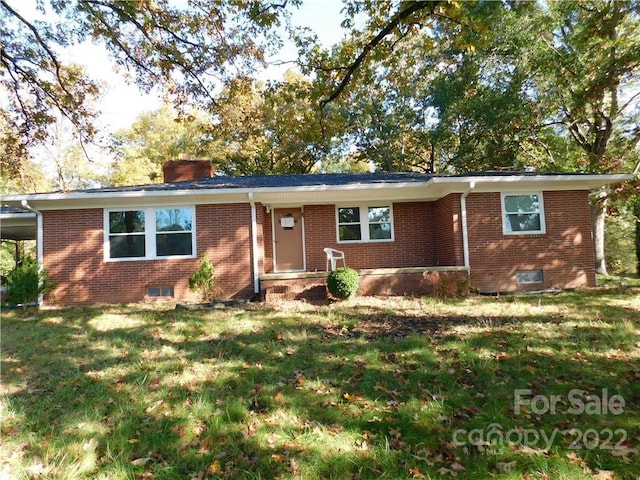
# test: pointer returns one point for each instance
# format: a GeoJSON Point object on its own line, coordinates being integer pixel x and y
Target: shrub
{"type": "Point", "coordinates": [203, 280]}
{"type": "Point", "coordinates": [343, 283]}
{"type": "Point", "coordinates": [26, 282]}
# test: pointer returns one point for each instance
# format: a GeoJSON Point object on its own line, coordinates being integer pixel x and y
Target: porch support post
{"type": "Point", "coordinates": [254, 244]}
{"type": "Point", "coordinates": [465, 232]}
{"type": "Point", "coordinates": [39, 240]}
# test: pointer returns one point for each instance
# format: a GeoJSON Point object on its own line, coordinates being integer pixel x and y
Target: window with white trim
{"type": "Point", "coordinates": [522, 213]}
{"type": "Point", "coordinates": [149, 233]}
{"type": "Point", "coordinates": [160, 291]}
{"type": "Point", "coordinates": [365, 223]}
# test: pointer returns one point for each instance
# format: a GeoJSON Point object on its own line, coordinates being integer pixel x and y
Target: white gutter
{"type": "Point", "coordinates": [237, 191]}
{"type": "Point", "coordinates": [264, 195]}
{"type": "Point", "coordinates": [254, 244]}
{"type": "Point", "coordinates": [465, 232]}
{"type": "Point", "coordinates": [599, 179]}
{"type": "Point", "coordinates": [39, 241]}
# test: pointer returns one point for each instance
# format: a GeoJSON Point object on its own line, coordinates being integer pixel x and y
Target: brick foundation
{"type": "Point", "coordinates": [383, 282]}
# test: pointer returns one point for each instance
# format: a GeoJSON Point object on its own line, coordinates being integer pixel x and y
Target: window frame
{"type": "Point", "coordinates": [541, 212]}
{"type": "Point", "coordinates": [525, 273]}
{"type": "Point", "coordinates": [163, 291]}
{"type": "Point", "coordinates": [150, 233]}
{"type": "Point", "coordinates": [364, 222]}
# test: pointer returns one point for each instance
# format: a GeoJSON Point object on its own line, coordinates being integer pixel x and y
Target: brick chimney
{"type": "Point", "coordinates": [184, 169]}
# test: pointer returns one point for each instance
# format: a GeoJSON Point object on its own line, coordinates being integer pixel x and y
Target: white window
{"type": "Point", "coordinates": [522, 213]}
{"type": "Point", "coordinates": [149, 233]}
{"type": "Point", "coordinates": [160, 291]}
{"type": "Point", "coordinates": [365, 223]}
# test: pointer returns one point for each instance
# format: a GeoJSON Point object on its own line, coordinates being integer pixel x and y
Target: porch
{"type": "Point", "coordinates": [414, 281]}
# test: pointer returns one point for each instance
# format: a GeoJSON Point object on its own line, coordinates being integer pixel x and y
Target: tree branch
{"type": "Point", "coordinates": [628, 102]}
{"type": "Point", "coordinates": [373, 43]}
{"type": "Point", "coordinates": [41, 42]}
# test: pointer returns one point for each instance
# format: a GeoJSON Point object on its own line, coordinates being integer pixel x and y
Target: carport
{"type": "Point", "coordinates": [17, 225]}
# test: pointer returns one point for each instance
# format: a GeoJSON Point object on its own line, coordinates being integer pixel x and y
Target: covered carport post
{"type": "Point", "coordinates": [18, 225]}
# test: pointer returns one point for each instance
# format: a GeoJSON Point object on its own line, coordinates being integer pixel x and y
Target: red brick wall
{"type": "Point", "coordinates": [414, 245]}
{"type": "Point", "coordinates": [74, 258]}
{"type": "Point", "coordinates": [564, 253]}
{"type": "Point", "coordinates": [448, 225]}
{"type": "Point", "coordinates": [184, 170]}
{"type": "Point", "coordinates": [224, 233]}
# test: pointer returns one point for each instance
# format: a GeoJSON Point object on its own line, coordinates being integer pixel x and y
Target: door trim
{"type": "Point", "coordinates": [273, 240]}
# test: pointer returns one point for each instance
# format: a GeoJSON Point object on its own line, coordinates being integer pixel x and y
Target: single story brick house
{"type": "Point", "coordinates": [266, 234]}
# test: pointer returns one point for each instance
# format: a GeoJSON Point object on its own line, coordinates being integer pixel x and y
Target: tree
{"type": "Point", "coordinates": [252, 129]}
{"type": "Point", "coordinates": [188, 51]}
{"type": "Point", "coordinates": [590, 58]}
{"type": "Point", "coordinates": [154, 138]}
{"type": "Point", "coordinates": [508, 85]}
{"type": "Point", "coordinates": [271, 129]}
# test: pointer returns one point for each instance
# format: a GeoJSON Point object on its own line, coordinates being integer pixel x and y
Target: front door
{"type": "Point", "coordinates": [288, 240]}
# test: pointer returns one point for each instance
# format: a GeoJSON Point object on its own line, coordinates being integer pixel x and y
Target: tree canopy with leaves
{"type": "Point", "coordinates": [188, 50]}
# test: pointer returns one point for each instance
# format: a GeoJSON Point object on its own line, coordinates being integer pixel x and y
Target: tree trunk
{"type": "Point", "coordinates": [636, 213]}
{"type": "Point", "coordinates": [598, 214]}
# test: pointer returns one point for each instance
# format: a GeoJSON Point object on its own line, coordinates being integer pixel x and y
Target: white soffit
{"type": "Point", "coordinates": [434, 188]}
{"type": "Point", "coordinates": [486, 183]}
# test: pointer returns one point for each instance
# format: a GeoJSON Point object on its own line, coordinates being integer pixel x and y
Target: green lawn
{"type": "Point", "coordinates": [368, 388]}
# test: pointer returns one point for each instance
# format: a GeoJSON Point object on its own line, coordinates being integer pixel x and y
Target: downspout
{"type": "Point", "coordinates": [465, 232]}
{"type": "Point", "coordinates": [39, 240]}
{"type": "Point", "coordinates": [254, 244]}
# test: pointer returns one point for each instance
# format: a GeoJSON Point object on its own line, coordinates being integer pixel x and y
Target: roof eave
{"type": "Point", "coordinates": [434, 188]}
{"type": "Point", "coordinates": [267, 195]}
{"type": "Point", "coordinates": [538, 182]}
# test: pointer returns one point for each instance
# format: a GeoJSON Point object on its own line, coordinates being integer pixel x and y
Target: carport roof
{"type": "Point", "coordinates": [17, 224]}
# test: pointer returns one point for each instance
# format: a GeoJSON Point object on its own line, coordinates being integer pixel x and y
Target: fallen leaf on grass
{"type": "Point", "coordinates": [352, 398]}
{"type": "Point", "coordinates": [526, 450]}
{"type": "Point", "coordinates": [214, 468]}
{"type": "Point", "coordinates": [415, 473]}
{"type": "Point", "coordinates": [603, 475]}
{"type": "Point", "coordinates": [293, 467]}
{"type": "Point", "coordinates": [527, 476]}
{"type": "Point", "coordinates": [154, 406]}
{"type": "Point", "coordinates": [447, 472]}
{"type": "Point", "coordinates": [198, 429]}
{"type": "Point", "coordinates": [624, 453]}
{"type": "Point", "coordinates": [574, 459]}
{"type": "Point", "coordinates": [36, 469]}
{"type": "Point", "coordinates": [140, 462]}
{"type": "Point", "coordinates": [504, 467]}
{"type": "Point", "coordinates": [424, 455]}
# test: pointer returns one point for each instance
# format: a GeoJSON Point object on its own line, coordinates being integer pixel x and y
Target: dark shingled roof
{"type": "Point", "coordinates": [298, 180]}
{"type": "Point", "coordinates": [270, 181]}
